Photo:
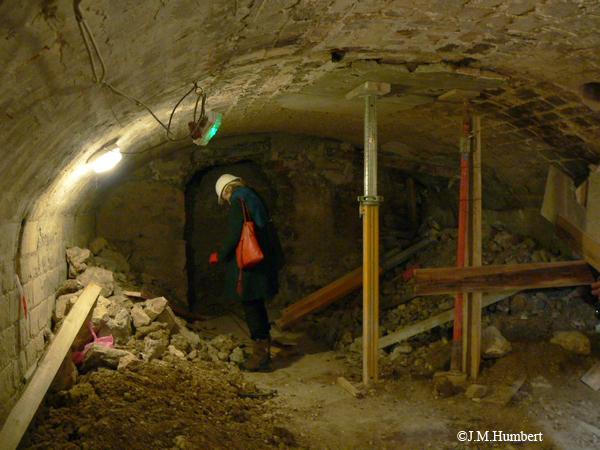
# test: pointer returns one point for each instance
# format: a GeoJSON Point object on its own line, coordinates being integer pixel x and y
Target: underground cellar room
{"type": "Point", "coordinates": [308, 224]}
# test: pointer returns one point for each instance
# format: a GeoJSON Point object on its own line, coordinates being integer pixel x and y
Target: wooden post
{"type": "Point", "coordinates": [472, 319]}
{"type": "Point", "coordinates": [370, 292]}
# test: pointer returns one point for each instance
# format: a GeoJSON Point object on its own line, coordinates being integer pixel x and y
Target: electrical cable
{"type": "Point", "coordinates": [90, 42]}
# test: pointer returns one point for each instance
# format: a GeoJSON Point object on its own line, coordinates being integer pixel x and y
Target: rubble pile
{"type": "Point", "coordinates": [145, 375]}
{"type": "Point", "coordinates": [143, 329]}
{"type": "Point", "coordinates": [523, 314]}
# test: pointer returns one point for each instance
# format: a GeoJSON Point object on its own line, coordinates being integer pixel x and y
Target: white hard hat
{"type": "Point", "coordinates": [223, 181]}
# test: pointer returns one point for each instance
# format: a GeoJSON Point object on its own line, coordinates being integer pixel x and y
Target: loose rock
{"type": "Point", "coordinates": [493, 344]}
{"type": "Point", "coordinates": [573, 341]}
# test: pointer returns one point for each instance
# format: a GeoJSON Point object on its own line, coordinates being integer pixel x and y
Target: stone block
{"type": "Point", "coordinates": [8, 235]}
{"type": "Point", "coordinates": [116, 260]}
{"type": "Point", "coordinates": [129, 362]}
{"type": "Point", "coordinates": [30, 239]}
{"type": "Point", "coordinates": [77, 258]}
{"type": "Point", "coordinates": [38, 295]}
{"type": "Point", "coordinates": [9, 381]}
{"type": "Point", "coordinates": [140, 318]}
{"type": "Point", "coordinates": [493, 344]}
{"type": "Point", "coordinates": [69, 287]}
{"type": "Point", "coordinates": [168, 317]}
{"type": "Point", "coordinates": [37, 318]}
{"type": "Point", "coordinates": [154, 307]}
{"type": "Point", "coordinates": [101, 356]}
{"type": "Point", "coordinates": [101, 277]}
{"type": "Point", "coordinates": [476, 391]}
{"type": "Point", "coordinates": [8, 348]}
{"type": "Point", "coordinates": [6, 315]}
{"type": "Point", "coordinates": [97, 245]}
{"type": "Point", "coordinates": [29, 268]}
{"type": "Point", "coordinates": [63, 305]}
{"type": "Point", "coordinates": [153, 348]}
{"type": "Point", "coordinates": [119, 327]}
{"type": "Point", "coordinates": [101, 312]}
{"type": "Point", "coordinates": [7, 276]}
{"type": "Point", "coordinates": [573, 341]}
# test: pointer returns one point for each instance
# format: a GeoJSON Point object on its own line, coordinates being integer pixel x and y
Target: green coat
{"type": "Point", "coordinates": [258, 282]}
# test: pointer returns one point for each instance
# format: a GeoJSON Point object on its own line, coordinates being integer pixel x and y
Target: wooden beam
{"type": "Point", "coordinates": [344, 286]}
{"type": "Point", "coordinates": [560, 198]}
{"type": "Point", "coordinates": [579, 240]}
{"type": "Point", "coordinates": [436, 321]}
{"type": "Point", "coordinates": [502, 277]}
{"type": "Point", "coordinates": [321, 298]}
{"type": "Point", "coordinates": [25, 409]}
{"type": "Point", "coordinates": [349, 387]}
{"type": "Point", "coordinates": [592, 213]}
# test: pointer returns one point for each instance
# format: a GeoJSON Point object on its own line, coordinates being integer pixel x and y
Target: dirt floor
{"type": "Point", "coordinates": [193, 404]}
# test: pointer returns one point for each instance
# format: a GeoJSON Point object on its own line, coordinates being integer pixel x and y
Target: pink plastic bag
{"type": "Point", "coordinates": [106, 341]}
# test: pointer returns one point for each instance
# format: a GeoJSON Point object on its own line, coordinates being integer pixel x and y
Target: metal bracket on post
{"type": "Point", "coordinates": [368, 201]}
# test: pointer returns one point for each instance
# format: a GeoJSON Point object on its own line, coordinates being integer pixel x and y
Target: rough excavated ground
{"type": "Point", "coordinates": [199, 400]}
{"type": "Point", "coordinates": [178, 404]}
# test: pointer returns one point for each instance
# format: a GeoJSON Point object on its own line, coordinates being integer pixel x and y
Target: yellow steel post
{"type": "Point", "coordinates": [369, 209]}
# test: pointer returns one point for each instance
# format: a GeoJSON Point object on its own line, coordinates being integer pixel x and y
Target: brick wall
{"type": "Point", "coordinates": [35, 250]}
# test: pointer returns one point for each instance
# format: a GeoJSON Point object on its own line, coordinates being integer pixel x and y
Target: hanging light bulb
{"type": "Point", "coordinates": [105, 159]}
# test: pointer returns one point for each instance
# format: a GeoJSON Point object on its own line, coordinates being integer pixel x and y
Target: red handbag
{"type": "Point", "coordinates": [248, 252]}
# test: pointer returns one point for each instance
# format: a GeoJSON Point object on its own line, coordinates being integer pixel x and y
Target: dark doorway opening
{"type": "Point", "coordinates": [205, 228]}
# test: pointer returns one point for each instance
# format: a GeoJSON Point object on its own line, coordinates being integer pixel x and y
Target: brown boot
{"type": "Point", "coordinates": [260, 360]}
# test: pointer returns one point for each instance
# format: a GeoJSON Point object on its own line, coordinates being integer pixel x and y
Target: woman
{"type": "Point", "coordinates": [259, 282]}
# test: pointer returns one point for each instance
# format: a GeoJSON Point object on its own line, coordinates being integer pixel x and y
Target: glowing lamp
{"type": "Point", "coordinates": [105, 159]}
{"type": "Point", "coordinates": [214, 120]}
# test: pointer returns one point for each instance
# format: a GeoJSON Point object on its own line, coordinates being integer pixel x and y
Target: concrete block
{"type": "Point", "coordinates": [30, 239]}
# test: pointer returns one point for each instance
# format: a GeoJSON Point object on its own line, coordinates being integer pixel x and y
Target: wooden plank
{"type": "Point", "coordinates": [503, 395]}
{"type": "Point", "coordinates": [560, 198]}
{"type": "Point", "coordinates": [344, 286]}
{"type": "Point", "coordinates": [349, 387]}
{"type": "Point", "coordinates": [592, 214]}
{"type": "Point", "coordinates": [502, 277]}
{"type": "Point", "coordinates": [371, 273]}
{"type": "Point", "coordinates": [25, 409]}
{"type": "Point", "coordinates": [579, 240]}
{"type": "Point", "coordinates": [341, 286]}
{"type": "Point", "coordinates": [440, 319]}
{"type": "Point", "coordinates": [592, 377]}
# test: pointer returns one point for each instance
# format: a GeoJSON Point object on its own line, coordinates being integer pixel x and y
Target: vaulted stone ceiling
{"type": "Point", "coordinates": [532, 68]}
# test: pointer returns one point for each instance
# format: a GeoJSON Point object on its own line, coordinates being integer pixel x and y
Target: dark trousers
{"type": "Point", "coordinates": [257, 318]}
